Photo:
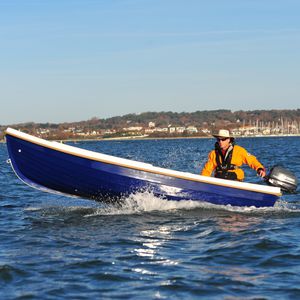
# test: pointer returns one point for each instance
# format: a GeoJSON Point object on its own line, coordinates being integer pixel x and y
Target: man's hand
{"type": "Point", "coordinates": [261, 172]}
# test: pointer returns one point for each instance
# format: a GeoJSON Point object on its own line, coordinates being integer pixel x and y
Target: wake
{"type": "Point", "coordinates": [145, 202]}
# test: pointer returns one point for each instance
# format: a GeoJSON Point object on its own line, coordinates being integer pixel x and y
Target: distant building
{"type": "Point", "coordinates": [151, 125]}
{"type": "Point", "coordinates": [149, 130]}
{"type": "Point", "coordinates": [110, 131]}
{"type": "Point", "coordinates": [158, 129]}
{"type": "Point", "coordinates": [133, 128]}
{"type": "Point", "coordinates": [205, 130]}
{"type": "Point", "coordinates": [192, 129]}
{"type": "Point", "coordinates": [180, 129]}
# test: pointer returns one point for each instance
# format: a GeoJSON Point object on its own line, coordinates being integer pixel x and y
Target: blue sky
{"type": "Point", "coordinates": [71, 60]}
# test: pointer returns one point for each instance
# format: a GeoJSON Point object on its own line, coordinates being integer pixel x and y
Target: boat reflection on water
{"type": "Point", "coordinates": [237, 222]}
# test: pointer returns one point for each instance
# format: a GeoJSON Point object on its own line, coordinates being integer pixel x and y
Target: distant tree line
{"type": "Point", "coordinates": [211, 119]}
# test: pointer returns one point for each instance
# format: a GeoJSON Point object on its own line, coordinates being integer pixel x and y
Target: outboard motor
{"type": "Point", "coordinates": [283, 178]}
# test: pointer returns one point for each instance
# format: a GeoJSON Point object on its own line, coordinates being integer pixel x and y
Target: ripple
{"type": "Point", "coordinates": [56, 247]}
{"type": "Point", "coordinates": [9, 273]}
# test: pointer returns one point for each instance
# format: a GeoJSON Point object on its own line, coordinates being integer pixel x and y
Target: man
{"type": "Point", "coordinates": [227, 158]}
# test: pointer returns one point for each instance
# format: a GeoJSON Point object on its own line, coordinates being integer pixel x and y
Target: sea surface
{"type": "Point", "coordinates": [56, 247]}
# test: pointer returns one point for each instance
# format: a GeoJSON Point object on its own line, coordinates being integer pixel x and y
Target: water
{"type": "Point", "coordinates": [54, 247]}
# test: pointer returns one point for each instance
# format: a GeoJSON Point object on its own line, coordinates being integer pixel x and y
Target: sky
{"type": "Point", "coordinates": [72, 60]}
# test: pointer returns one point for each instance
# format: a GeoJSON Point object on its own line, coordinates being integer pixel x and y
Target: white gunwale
{"type": "Point", "coordinates": [140, 166]}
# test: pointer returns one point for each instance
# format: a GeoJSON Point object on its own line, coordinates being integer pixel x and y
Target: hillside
{"type": "Point", "coordinates": [137, 124]}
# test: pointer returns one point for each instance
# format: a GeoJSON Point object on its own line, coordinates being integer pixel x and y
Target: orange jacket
{"type": "Point", "coordinates": [240, 156]}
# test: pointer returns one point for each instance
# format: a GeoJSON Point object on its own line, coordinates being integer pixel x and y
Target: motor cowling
{"type": "Point", "coordinates": [283, 178]}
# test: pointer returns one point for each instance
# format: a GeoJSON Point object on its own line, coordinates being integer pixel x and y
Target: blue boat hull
{"type": "Point", "coordinates": [47, 168]}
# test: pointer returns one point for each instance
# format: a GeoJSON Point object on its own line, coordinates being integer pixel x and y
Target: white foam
{"type": "Point", "coordinates": [147, 202]}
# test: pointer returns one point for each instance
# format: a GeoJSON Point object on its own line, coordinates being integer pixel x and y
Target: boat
{"type": "Point", "coordinates": [60, 168]}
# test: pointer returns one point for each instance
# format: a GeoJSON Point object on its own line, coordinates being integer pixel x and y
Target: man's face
{"type": "Point", "coordinates": [223, 142]}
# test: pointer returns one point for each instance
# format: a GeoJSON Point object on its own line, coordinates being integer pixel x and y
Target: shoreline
{"type": "Point", "coordinates": [141, 138]}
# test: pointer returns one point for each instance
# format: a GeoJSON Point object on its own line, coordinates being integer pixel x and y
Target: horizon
{"type": "Point", "coordinates": [66, 61]}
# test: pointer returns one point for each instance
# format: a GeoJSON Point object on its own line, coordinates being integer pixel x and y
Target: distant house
{"type": "Point", "coordinates": [110, 131]}
{"type": "Point", "coordinates": [133, 128]}
{"type": "Point", "coordinates": [151, 125]}
{"type": "Point", "coordinates": [43, 131]}
{"type": "Point", "coordinates": [149, 130]}
{"type": "Point", "coordinates": [236, 132]}
{"type": "Point", "coordinates": [158, 129]}
{"type": "Point", "coordinates": [266, 131]}
{"type": "Point", "coordinates": [180, 129]}
{"type": "Point", "coordinates": [205, 130]}
{"type": "Point", "coordinates": [192, 129]}
{"type": "Point", "coordinates": [93, 133]}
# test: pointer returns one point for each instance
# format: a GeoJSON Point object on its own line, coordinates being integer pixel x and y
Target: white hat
{"type": "Point", "coordinates": [223, 133]}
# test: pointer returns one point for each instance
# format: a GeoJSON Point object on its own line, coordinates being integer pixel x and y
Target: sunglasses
{"type": "Point", "coordinates": [222, 139]}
